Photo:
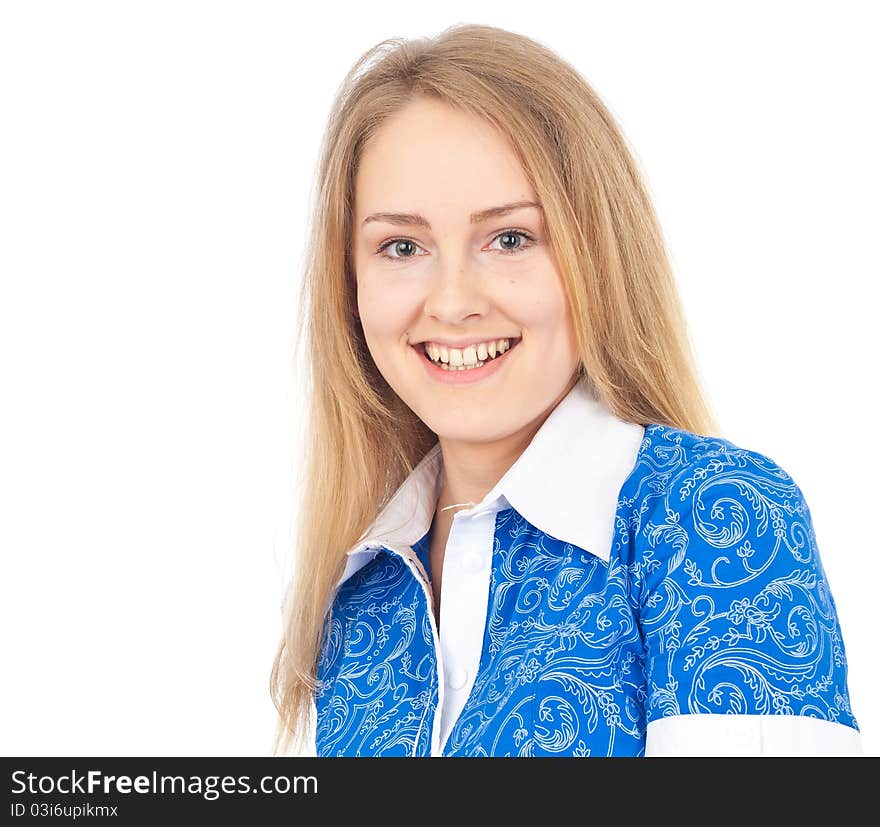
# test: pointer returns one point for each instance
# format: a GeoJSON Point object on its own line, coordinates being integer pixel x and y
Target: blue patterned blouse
{"type": "Point", "coordinates": [622, 591]}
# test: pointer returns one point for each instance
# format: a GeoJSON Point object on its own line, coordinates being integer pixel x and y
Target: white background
{"type": "Point", "coordinates": [156, 164]}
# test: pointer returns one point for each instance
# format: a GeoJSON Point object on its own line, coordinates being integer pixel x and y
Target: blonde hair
{"type": "Point", "coordinates": [361, 441]}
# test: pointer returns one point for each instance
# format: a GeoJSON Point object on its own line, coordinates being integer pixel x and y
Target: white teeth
{"type": "Point", "coordinates": [461, 367]}
{"type": "Point", "coordinates": [471, 356]}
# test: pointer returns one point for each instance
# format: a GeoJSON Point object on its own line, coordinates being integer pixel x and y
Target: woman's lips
{"type": "Point", "coordinates": [465, 377]}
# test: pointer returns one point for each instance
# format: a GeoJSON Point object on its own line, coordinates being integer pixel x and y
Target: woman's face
{"type": "Point", "coordinates": [448, 279]}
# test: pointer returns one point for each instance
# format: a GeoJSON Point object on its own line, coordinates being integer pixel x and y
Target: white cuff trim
{"type": "Point", "coordinates": [717, 734]}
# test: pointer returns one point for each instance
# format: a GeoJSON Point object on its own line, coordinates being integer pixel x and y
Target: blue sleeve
{"type": "Point", "coordinates": [735, 609]}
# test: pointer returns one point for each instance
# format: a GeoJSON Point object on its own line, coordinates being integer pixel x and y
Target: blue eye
{"type": "Point", "coordinates": [514, 233]}
{"type": "Point", "coordinates": [385, 245]}
{"type": "Point", "coordinates": [516, 251]}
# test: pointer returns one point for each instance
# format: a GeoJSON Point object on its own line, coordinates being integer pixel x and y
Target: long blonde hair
{"type": "Point", "coordinates": [361, 441]}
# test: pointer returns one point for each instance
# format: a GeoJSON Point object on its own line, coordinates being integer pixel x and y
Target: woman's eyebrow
{"type": "Point", "coordinates": [413, 219]}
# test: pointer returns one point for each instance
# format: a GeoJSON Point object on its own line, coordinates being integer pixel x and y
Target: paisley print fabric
{"type": "Point", "coordinates": [378, 666]}
{"type": "Point", "coordinates": [713, 600]}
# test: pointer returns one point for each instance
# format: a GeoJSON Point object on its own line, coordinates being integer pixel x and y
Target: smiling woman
{"type": "Point", "coordinates": [505, 413]}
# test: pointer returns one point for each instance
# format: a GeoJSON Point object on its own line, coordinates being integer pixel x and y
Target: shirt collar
{"type": "Point", "coordinates": [566, 482]}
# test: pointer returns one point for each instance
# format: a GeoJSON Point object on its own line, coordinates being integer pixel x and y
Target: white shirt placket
{"type": "Point", "coordinates": [464, 599]}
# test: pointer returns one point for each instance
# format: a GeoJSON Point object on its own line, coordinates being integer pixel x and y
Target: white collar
{"type": "Point", "coordinates": [565, 483]}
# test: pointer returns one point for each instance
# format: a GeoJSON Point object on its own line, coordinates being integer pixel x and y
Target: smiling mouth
{"type": "Point", "coordinates": [467, 366]}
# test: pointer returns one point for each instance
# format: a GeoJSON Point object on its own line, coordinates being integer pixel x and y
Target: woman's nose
{"type": "Point", "coordinates": [455, 292]}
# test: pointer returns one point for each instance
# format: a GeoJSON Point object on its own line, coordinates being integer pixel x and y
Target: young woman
{"type": "Point", "coordinates": [519, 535]}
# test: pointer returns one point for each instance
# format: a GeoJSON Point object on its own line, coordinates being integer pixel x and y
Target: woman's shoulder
{"type": "Point", "coordinates": [676, 469]}
{"type": "Point", "coordinates": [729, 585]}
{"type": "Point", "coordinates": [710, 513]}
{"type": "Point", "coordinates": [709, 508]}
{"type": "Point", "coordinates": [675, 451]}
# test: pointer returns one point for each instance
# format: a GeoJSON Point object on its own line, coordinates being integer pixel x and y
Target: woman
{"type": "Point", "coordinates": [519, 536]}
